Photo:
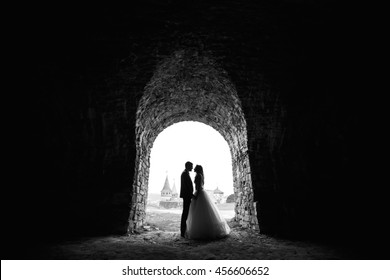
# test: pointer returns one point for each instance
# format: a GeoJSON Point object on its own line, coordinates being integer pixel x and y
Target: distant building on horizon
{"type": "Point", "coordinates": [166, 191]}
{"type": "Point", "coordinates": [171, 195]}
{"type": "Point", "coordinates": [174, 191]}
{"type": "Point", "coordinates": [216, 195]}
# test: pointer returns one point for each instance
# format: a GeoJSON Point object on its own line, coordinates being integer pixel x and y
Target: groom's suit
{"type": "Point", "coordinates": [186, 192]}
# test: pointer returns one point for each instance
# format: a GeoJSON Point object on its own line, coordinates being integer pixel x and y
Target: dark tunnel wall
{"type": "Point", "coordinates": [87, 70]}
{"type": "Point", "coordinates": [190, 86]}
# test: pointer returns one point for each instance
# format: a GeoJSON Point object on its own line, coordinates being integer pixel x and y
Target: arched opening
{"type": "Point", "coordinates": [191, 87]}
{"type": "Point", "coordinates": [178, 143]}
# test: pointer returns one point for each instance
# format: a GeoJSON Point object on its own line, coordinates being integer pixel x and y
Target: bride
{"type": "Point", "coordinates": [204, 220]}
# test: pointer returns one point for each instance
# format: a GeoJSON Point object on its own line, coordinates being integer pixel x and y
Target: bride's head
{"type": "Point", "coordinates": [198, 169]}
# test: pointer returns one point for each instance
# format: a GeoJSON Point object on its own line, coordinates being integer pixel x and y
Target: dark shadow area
{"type": "Point", "coordinates": [294, 65]}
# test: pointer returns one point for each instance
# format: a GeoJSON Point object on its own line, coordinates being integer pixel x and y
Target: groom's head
{"type": "Point", "coordinates": [188, 166]}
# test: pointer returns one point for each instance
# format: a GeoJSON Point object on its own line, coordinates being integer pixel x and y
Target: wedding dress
{"type": "Point", "coordinates": [204, 220]}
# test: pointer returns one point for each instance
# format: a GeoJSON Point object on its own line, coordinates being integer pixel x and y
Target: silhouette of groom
{"type": "Point", "coordinates": [186, 192]}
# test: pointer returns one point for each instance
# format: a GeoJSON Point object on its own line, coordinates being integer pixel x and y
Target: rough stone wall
{"type": "Point", "coordinates": [88, 134]}
{"type": "Point", "coordinates": [189, 86]}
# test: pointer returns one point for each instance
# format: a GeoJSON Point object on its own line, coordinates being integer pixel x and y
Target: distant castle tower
{"type": "Point", "coordinates": [171, 200]}
{"type": "Point", "coordinates": [166, 191]}
{"type": "Point", "coordinates": [174, 191]}
{"type": "Point", "coordinates": [218, 194]}
{"type": "Point", "coordinates": [218, 191]}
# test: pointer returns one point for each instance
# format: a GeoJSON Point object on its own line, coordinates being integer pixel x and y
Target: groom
{"type": "Point", "coordinates": [186, 192]}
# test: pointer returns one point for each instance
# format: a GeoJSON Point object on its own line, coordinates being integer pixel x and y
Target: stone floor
{"type": "Point", "coordinates": [152, 243]}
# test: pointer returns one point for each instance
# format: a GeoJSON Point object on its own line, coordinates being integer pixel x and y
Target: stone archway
{"type": "Point", "coordinates": [191, 87]}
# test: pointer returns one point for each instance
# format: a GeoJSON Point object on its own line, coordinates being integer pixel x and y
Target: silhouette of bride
{"type": "Point", "coordinates": [204, 220]}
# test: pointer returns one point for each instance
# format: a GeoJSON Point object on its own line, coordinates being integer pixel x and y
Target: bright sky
{"type": "Point", "coordinates": [195, 142]}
